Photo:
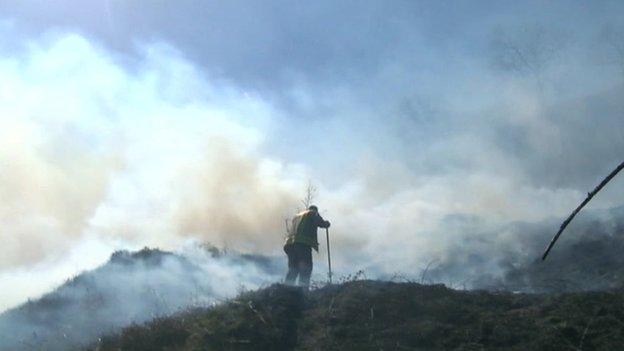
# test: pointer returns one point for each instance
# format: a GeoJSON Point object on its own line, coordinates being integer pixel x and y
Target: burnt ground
{"type": "Point", "coordinates": [374, 315]}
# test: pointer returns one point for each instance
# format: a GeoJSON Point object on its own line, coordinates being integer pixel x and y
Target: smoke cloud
{"type": "Point", "coordinates": [426, 136]}
{"type": "Point", "coordinates": [93, 150]}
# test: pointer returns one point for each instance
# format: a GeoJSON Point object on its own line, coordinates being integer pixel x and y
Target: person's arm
{"type": "Point", "coordinates": [320, 222]}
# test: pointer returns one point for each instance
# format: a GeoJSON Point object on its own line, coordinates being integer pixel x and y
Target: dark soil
{"type": "Point", "coordinates": [373, 315]}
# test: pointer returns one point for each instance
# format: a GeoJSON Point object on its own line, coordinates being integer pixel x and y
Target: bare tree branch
{"type": "Point", "coordinates": [590, 195]}
{"type": "Point", "coordinates": [309, 195]}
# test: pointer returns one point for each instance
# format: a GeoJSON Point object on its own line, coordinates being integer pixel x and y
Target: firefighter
{"type": "Point", "coordinates": [301, 239]}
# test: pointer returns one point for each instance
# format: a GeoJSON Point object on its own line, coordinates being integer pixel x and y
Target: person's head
{"type": "Point", "coordinates": [313, 208]}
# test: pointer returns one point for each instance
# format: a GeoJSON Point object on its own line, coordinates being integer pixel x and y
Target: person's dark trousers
{"type": "Point", "coordinates": [299, 264]}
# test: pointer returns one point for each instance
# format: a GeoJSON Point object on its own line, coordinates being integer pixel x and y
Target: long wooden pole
{"type": "Point", "coordinates": [590, 195]}
{"type": "Point", "coordinates": [328, 255]}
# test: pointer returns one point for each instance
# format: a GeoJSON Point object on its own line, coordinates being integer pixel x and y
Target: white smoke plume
{"type": "Point", "coordinates": [153, 150]}
{"type": "Point", "coordinates": [92, 150]}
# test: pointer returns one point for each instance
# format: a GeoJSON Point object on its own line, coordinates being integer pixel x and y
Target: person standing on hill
{"type": "Point", "coordinates": [301, 239]}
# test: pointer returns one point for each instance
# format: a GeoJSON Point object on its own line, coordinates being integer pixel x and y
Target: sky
{"type": "Point", "coordinates": [424, 126]}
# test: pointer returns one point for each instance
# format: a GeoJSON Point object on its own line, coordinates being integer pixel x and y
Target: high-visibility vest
{"type": "Point", "coordinates": [303, 229]}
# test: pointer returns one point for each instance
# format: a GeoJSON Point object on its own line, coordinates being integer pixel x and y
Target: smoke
{"type": "Point", "coordinates": [422, 151]}
{"type": "Point", "coordinates": [49, 187]}
{"type": "Point", "coordinates": [91, 149]}
{"type": "Point", "coordinates": [130, 288]}
{"type": "Point", "coordinates": [31, 281]}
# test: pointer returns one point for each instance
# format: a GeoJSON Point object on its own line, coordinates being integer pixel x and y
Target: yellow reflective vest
{"type": "Point", "coordinates": [303, 228]}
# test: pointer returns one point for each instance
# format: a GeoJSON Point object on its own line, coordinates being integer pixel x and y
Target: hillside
{"type": "Point", "coordinates": [373, 315]}
{"type": "Point", "coordinates": [132, 287]}
{"type": "Point", "coordinates": [588, 257]}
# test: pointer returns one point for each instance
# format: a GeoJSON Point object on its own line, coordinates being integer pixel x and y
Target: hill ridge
{"type": "Point", "coordinates": [378, 315]}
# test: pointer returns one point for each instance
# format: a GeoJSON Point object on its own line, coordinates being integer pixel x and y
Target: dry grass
{"type": "Point", "coordinates": [372, 315]}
